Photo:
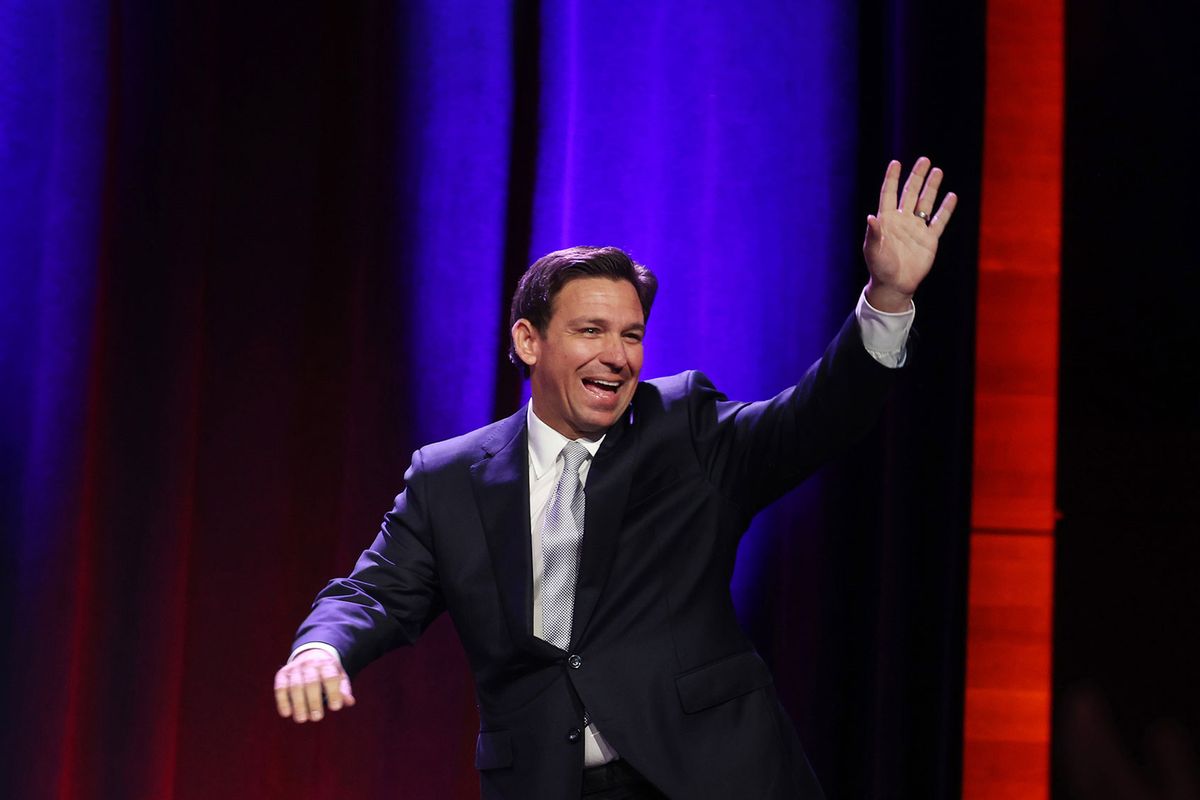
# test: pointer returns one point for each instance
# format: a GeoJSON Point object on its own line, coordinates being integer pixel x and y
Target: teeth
{"type": "Point", "coordinates": [608, 384]}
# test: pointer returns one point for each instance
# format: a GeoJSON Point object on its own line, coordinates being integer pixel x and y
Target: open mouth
{"type": "Point", "coordinates": [601, 388]}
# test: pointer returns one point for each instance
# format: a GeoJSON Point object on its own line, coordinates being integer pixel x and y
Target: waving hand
{"type": "Point", "coordinates": [902, 237]}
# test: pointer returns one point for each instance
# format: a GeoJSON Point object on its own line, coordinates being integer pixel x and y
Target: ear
{"type": "Point", "coordinates": [526, 342]}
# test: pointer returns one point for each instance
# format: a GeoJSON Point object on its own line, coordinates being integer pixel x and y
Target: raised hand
{"type": "Point", "coordinates": [902, 237]}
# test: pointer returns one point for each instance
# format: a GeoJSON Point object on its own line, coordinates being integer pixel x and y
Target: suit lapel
{"type": "Point", "coordinates": [606, 492]}
{"type": "Point", "coordinates": [501, 485]}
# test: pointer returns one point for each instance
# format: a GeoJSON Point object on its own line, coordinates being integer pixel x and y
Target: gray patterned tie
{"type": "Point", "coordinates": [562, 533]}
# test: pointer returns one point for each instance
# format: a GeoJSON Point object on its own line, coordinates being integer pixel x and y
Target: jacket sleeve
{"type": "Point", "coordinates": [392, 595]}
{"type": "Point", "coordinates": [755, 452]}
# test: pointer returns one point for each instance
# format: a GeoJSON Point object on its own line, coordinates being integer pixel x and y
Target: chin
{"type": "Point", "coordinates": [608, 419]}
{"type": "Point", "coordinates": [597, 424]}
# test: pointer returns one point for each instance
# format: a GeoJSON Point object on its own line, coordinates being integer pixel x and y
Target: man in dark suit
{"type": "Point", "coordinates": [584, 545]}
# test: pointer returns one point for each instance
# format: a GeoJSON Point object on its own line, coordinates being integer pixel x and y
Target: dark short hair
{"type": "Point", "coordinates": [545, 278]}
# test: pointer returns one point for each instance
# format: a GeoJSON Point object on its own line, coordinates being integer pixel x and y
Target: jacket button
{"type": "Point", "coordinates": [573, 735]}
{"type": "Point", "coordinates": [575, 661]}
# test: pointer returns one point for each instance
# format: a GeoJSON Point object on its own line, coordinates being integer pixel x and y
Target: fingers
{"type": "Point", "coordinates": [887, 192]}
{"type": "Point", "coordinates": [942, 217]}
{"type": "Point", "coordinates": [282, 704]}
{"type": "Point", "coordinates": [296, 694]}
{"type": "Point", "coordinates": [312, 691]}
{"type": "Point", "coordinates": [912, 186]}
{"type": "Point", "coordinates": [929, 192]}
{"type": "Point", "coordinates": [918, 196]}
{"type": "Point", "coordinates": [331, 683]}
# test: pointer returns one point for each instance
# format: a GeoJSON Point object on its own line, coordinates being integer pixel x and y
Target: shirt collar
{"type": "Point", "coordinates": [545, 443]}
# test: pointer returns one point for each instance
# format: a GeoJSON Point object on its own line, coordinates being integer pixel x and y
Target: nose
{"type": "Point", "coordinates": [614, 356]}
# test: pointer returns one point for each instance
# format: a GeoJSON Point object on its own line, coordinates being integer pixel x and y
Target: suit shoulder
{"type": "Point", "coordinates": [680, 386]}
{"type": "Point", "coordinates": [674, 393]}
{"type": "Point", "coordinates": [470, 447]}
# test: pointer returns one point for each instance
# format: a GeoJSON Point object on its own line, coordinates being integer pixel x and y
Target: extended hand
{"type": "Point", "coordinates": [902, 237]}
{"type": "Point", "coordinates": [312, 679]}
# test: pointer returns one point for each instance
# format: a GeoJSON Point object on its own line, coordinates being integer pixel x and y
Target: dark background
{"type": "Point", "coordinates": [1128, 550]}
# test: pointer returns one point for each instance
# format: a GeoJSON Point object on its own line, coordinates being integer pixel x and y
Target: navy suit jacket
{"type": "Point", "coordinates": [657, 656]}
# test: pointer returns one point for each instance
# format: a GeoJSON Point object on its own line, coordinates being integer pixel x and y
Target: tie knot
{"type": "Point", "coordinates": [574, 454]}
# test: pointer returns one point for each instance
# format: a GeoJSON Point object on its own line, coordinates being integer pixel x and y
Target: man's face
{"type": "Point", "coordinates": [585, 368]}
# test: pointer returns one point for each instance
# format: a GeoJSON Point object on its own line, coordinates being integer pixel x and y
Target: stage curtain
{"type": "Point", "coordinates": [251, 258]}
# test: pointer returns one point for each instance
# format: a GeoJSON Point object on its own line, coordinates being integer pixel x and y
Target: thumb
{"type": "Point", "coordinates": [347, 695]}
{"type": "Point", "coordinates": [873, 233]}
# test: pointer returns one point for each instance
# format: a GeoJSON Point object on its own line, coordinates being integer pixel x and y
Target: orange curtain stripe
{"type": "Point", "coordinates": [1006, 734]}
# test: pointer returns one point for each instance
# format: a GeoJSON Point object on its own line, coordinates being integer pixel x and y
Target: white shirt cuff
{"type": "Point", "coordinates": [328, 648]}
{"type": "Point", "coordinates": [884, 334]}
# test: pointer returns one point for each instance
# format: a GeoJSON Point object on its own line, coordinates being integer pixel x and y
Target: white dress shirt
{"type": "Point", "coordinates": [884, 336]}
